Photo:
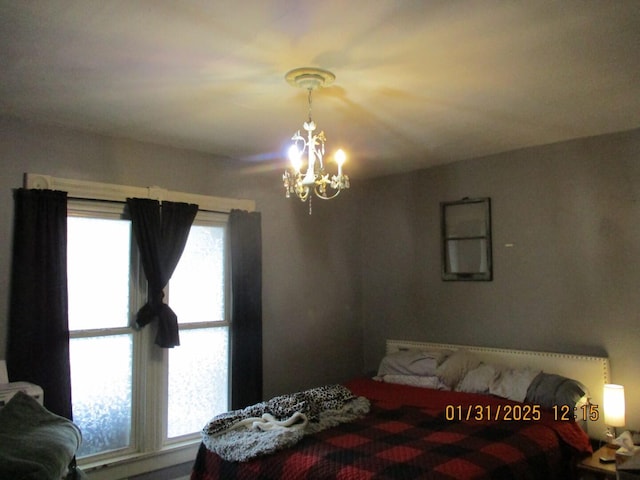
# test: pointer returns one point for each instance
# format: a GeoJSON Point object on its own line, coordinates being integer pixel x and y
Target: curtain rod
{"type": "Point", "coordinates": [86, 190]}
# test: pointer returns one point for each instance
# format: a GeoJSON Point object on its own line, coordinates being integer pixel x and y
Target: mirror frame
{"type": "Point", "coordinates": [469, 227]}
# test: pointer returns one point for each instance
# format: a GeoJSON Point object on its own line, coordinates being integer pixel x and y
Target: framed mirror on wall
{"type": "Point", "coordinates": [466, 239]}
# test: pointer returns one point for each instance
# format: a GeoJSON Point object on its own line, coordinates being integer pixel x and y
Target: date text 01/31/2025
{"type": "Point", "coordinates": [519, 412]}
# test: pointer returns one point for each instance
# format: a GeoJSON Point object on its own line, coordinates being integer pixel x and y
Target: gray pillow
{"type": "Point", "coordinates": [549, 389]}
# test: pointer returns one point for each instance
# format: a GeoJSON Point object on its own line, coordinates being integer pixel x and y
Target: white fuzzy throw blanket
{"type": "Point", "coordinates": [281, 422]}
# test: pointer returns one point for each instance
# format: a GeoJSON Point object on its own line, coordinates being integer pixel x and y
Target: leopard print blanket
{"type": "Point", "coordinates": [278, 423]}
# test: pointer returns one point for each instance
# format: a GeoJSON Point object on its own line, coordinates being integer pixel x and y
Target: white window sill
{"type": "Point", "coordinates": [138, 463]}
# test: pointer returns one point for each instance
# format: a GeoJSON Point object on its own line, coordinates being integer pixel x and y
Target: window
{"type": "Point", "coordinates": [101, 343]}
{"type": "Point", "coordinates": [199, 368]}
{"type": "Point", "coordinates": [466, 239]}
{"type": "Point", "coordinates": [128, 394]}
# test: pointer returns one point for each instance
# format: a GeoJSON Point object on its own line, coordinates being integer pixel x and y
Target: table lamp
{"type": "Point", "coordinates": [613, 402]}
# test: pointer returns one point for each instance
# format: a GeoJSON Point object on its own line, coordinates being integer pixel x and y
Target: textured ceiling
{"type": "Point", "coordinates": [418, 83]}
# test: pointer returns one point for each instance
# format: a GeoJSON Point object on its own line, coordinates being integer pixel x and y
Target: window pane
{"type": "Point", "coordinates": [101, 391]}
{"type": "Point", "coordinates": [466, 256]}
{"type": "Point", "coordinates": [466, 220]}
{"type": "Point", "coordinates": [198, 379]}
{"type": "Point", "coordinates": [196, 289]}
{"type": "Point", "coordinates": [98, 272]}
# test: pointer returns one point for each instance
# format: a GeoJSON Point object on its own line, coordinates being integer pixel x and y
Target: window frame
{"type": "Point", "coordinates": [478, 212]}
{"type": "Point", "coordinates": [137, 285]}
{"type": "Point", "coordinates": [150, 375]}
{"type": "Point", "coordinates": [202, 219]}
{"type": "Point", "coordinates": [139, 458]}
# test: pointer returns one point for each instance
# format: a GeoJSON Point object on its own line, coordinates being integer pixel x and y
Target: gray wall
{"type": "Point", "coordinates": [570, 282]}
{"type": "Point", "coordinates": [366, 266]}
{"type": "Point", "coordinates": [311, 316]}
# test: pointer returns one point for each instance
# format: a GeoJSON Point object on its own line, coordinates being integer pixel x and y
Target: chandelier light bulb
{"type": "Point", "coordinates": [295, 157]}
{"type": "Point", "coordinates": [340, 157]}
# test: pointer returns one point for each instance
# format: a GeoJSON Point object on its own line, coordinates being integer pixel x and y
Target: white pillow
{"type": "Point", "coordinates": [513, 383]}
{"type": "Point", "coordinates": [478, 380]}
{"type": "Point", "coordinates": [454, 368]}
{"type": "Point", "coordinates": [411, 362]}
{"type": "Point", "coordinates": [416, 381]}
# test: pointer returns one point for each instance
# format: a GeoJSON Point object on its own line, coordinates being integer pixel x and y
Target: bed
{"type": "Point", "coordinates": [424, 426]}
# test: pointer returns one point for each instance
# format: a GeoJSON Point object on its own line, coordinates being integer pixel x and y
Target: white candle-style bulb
{"type": "Point", "coordinates": [340, 157]}
{"type": "Point", "coordinates": [295, 158]}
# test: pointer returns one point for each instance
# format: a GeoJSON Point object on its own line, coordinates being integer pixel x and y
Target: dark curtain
{"type": "Point", "coordinates": [161, 231]}
{"type": "Point", "coordinates": [246, 320]}
{"type": "Point", "coordinates": [38, 343]}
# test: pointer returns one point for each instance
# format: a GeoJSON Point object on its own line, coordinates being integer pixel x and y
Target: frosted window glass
{"type": "Point", "coordinates": [98, 265]}
{"type": "Point", "coordinates": [101, 388]}
{"type": "Point", "coordinates": [196, 288]}
{"type": "Point", "coordinates": [198, 379]}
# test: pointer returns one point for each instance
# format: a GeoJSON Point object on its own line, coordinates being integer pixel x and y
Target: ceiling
{"type": "Point", "coordinates": [418, 83]}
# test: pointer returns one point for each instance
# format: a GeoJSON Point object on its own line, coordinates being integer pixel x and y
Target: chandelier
{"type": "Point", "coordinates": [302, 177]}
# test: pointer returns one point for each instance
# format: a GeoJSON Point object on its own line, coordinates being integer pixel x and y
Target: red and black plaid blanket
{"type": "Point", "coordinates": [410, 434]}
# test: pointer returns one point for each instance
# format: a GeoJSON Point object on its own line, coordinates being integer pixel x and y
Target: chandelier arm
{"type": "Point", "coordinates": [323, 197]}
{"type": "Point", "coordinates": [303, 196]}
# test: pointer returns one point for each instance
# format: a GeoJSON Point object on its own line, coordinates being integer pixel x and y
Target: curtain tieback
{"type": "Point", "coordinates": [151, 310]}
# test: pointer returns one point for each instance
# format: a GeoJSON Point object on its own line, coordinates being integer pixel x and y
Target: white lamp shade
{"type": "Point", "coordinates": [613, 405]}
